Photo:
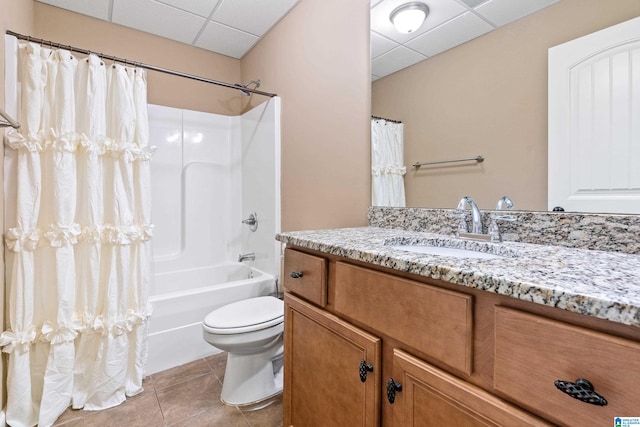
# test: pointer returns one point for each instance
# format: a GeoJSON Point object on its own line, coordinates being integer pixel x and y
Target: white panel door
{"type": "Point", "coordinates": [594, 121]}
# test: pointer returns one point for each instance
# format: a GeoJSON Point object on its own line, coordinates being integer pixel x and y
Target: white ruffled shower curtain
{"type": "Point", "coordinates": [77, 230]}
{"type": "Point", "coordinates": [387, 169]}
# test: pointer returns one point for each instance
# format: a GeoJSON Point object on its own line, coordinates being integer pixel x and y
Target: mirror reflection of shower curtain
{"type": "Point", "coordinates": [77, 233]}
{"type": "Point", "coordinates": [387, 169]}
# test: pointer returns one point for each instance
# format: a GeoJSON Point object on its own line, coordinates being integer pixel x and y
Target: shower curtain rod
{"type": "Point", "coordinates": [385, 119]}
{"type": "Point", "coordinates": [139, 64]}
{"type": "Point", "coordinates": [8, 121]}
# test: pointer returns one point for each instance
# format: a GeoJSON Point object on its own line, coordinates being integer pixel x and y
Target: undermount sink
{"type": "Point", "coordinates": [450, 252]}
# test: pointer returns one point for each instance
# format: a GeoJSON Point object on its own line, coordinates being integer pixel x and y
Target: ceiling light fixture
{"type": "Point", "coordinates": [409, 17]}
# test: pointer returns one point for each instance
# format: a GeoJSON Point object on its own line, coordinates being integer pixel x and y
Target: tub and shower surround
{"type": "Point", "coordinates": [209, 173]}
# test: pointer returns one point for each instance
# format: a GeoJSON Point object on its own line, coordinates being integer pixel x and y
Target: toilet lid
{"type": "Point", "coordinates": [246, 315]}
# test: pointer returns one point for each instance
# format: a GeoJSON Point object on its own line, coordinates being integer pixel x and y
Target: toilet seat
{"type": "Point", "coordinates": [243, 316]}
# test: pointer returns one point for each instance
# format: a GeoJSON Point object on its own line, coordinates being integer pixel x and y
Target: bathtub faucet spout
{"type": "Point", "coordinates": [247, 257]}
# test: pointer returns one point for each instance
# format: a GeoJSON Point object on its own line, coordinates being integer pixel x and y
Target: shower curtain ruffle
{"type": "Point", "coordinates": [77, 234]}
{"type": "Point", "coordinates": [72, 142]}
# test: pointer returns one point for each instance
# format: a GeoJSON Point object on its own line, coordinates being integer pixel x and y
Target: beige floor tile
{"type": "Point", "coordinates": [218, 363]}
{"type": "Point", "coordinates": [190, 398]}
{"type": "Point", "coordinates": [78, 422]}
{"type": "Point", "coordinates": [188, 395]}
{"type": "Point", "coordinates": [271, 416]}
{"type": "Point", "coordinates": [180, 374]}
{"type": "Point", "coordinates": [69, 416]}
{"type": "Point", "coordinates": [227, 416]}
{"type": "Point", "coordinates": [142, 410]}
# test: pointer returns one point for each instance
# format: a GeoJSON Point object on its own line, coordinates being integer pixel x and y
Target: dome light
{"type": "Point", "coordinates": [409, 17]}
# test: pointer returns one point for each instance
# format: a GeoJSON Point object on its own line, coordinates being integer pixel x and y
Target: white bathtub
{"type": "Point", "coordinates": [175, 331]}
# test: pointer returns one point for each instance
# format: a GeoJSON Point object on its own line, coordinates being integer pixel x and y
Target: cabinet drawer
{"type": "Point", "coordinates": [432, 397]}
{"type": "Point", "coordinates": [434, 321]}
{"type": "Point", "coordinates": [306, 276]}
{"type": "Point", "coordinates": [532, 352]}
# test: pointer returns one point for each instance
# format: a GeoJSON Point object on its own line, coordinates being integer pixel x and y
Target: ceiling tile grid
{"type": "Point", "coordinates": [459, 30]}
{"type": "Point", "coordinates": [397, 58]}
{"type": "Point", "coordinates": [251, 16]}
{"type": "Point", "coordinates": [197, 7]}
{"type": "Point", "coordinates": [167, 21]}
{"type": "Point", "coordinates": [225, 40]}
{"type": "Point", "coordinates": [233, 27]}
{"type": "Point", "coordinates": [502, 12]}
{"type": "Point", "coordinates": [450, 23]}
{"type": "Point", "coordinates": [228, 27]}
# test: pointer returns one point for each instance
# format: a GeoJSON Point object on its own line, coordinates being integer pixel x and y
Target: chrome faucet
{"type": "Point", "coordinates": [476, 216]}
{"type": "Point", "coordinates": [252, 221]}
{"type": "Point", "coordinates": [505, 201]}
{"type": "Point", "coordinates": [247, 257]}
{"type": "Point", "coordinates": [494, 230]}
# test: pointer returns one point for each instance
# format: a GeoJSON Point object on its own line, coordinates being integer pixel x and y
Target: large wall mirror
{"type": "Point", "coordinates": [487, 96]}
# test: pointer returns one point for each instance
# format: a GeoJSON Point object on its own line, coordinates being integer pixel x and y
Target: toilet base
{"type": "Point", "coordinates": [250, 379]}
{"type": "Point", "coordinates": [256, 406]}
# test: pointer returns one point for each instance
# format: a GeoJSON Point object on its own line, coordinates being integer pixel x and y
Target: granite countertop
{"type": "Point", "coordinates": [601, 284]}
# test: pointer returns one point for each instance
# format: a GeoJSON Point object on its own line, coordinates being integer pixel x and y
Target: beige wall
{"type": "Point", "coordinates": [487, 97]}
{"type": "Point", "coordinates": [321, 76]}
{"type": "Point", "coordinates": [59, 25]}
{"type": "Point", "coordinates": [317, 60]}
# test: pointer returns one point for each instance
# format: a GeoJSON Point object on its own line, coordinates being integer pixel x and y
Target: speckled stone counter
{"type": "Point", "coordinates": [605, 232]}
{"type": "Point", "coordinates": [602, 284]}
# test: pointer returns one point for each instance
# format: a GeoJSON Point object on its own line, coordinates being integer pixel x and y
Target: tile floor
{"type": "Point", "coordinates": [188, 395]}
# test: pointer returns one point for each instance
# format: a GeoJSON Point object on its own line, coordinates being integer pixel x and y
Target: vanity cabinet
{"type": "Point", "coordinates": [439, 354]}
{"type": "Point", "coordinates": [432, 397]}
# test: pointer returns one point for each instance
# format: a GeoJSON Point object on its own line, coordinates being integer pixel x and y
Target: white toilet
{"type": "Point", "coordinates": [251, 332]}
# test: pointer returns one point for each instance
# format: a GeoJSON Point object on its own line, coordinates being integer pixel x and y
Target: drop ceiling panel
{"type": "Point", "coordinates": [449, 24]}
{"type": "Point", "coordinates": [380, 45]}
{"type": "Point", "coordinates": [394, 60]}
{"type": "Point", "coordinates": [501, 12]}
{"type": "Point", "coordinates": [197, 7]}
{"type": "Point", "coordinates": [251, 16]}
{"type": "Point", "coordinates": [233, 27]}
{"type": "Point", "coordinates": [455, 32]}
{"type": "Point", "coordinates": [474, 3]}
{"type": "Point", "coordinates": [167, 21]}
{"type": "Point", "coordinates": [228, 27]}
{"type": "Point", "coordinates": [225, 40]}
{"type": "Point", "coordinates": [95, 8]}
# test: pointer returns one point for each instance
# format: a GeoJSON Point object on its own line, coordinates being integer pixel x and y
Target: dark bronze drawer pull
{"type": "Point", "coordinates": [582, 390]}
{"type": "Point", "coordinates": [295, 274]}
{"type": "Point", "coordinates": [392, 387]}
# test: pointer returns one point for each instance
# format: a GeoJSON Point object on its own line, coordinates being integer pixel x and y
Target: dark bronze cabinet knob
{"type": "Point", "coordinates": [364, 368]}
{"type": "Point", "coordinates": [392, 388]}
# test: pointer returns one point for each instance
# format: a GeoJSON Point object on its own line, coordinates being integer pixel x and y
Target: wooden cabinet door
{"type": "Point", "coordinates": [430, 397]}
{"type": "Point", "coordinates": [322, 383]}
